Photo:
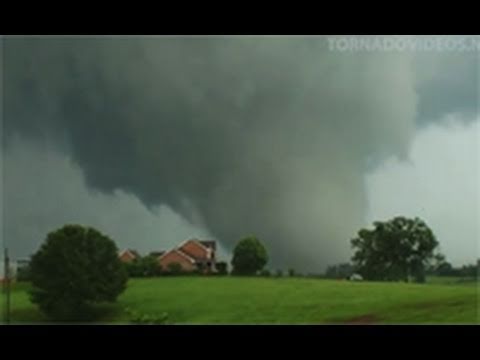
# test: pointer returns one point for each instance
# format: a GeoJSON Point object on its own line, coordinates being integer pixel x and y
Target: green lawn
{"type": "Point", "coordinates": [231, 300]}
{"type": "Point", "coordinates": [451, 280]}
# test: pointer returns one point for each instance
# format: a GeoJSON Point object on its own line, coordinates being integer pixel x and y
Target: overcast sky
{"type": "Point", "coordinates": [439, 183]}
{"type": "Point", "coordinates": [157, 140]}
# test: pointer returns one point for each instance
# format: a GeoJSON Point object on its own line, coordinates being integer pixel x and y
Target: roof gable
{"type": "Point", "coordinates": [126, 252]}
{"type": "Point", "coordinates": [179, 252]}
{"type": "Point", "coordinates": [196, 242]}
{"type": "Point", "coordinates": [196, 250]}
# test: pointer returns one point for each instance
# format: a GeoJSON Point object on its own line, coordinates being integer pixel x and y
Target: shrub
{"type": "Point", "coordinates": [134, 268]}
{"type": "Point", "coordinates": [150, 266]}
{"type": "Point", "coordinates": [291, 272]}
{"type": "Point", "coordinates": [145, 319]}
{"type": "Point", "coordinates": [265, 273]}
{"type": "Point", "coordinates": [147, 266]}
{"type": "Point", "coordinates": [23, 273]}
{"type": "Point", "coordinates": [340, 271]}
{"type": "Point", "coordinates": [74, 269]}
{"type": "Point", "coordinates": [222, 267]}
{"type": "Point", "coordinates": [174, 268]}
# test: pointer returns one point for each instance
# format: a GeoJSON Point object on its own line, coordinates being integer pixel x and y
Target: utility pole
{"type": "Point", "coordinates": [6, 287]}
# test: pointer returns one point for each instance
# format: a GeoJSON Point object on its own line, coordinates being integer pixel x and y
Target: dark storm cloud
{"type": "Point", "coordinates": [448, 83]}
{"type": "Point", "coordinates": [440, 184]}
{"type": "Point", "coordinates": [45, 190]}
{"type": "Point", "coordinates": [270, 136]}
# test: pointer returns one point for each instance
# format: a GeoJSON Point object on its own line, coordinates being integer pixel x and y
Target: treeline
{"type": "Point", "coordinates": [443, 269]}
{"type": "Point", "coordinates": [144, 267]}
{"type": "Point", "coordinates": [148, 266]}
{"type": "Point", "coordinates": [340, 271]}
{"type": "Point", "coordinates": [249, 258]}
{"type": "Point", "coordinates": [446, 269]}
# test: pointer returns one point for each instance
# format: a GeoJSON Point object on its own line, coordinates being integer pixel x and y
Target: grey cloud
{"type": "Point", "coordinates": [448, 82]}
{"type": "Point", "coordinates": [45, 190]}
{"type": "Point", "coordinates": [440, 184]}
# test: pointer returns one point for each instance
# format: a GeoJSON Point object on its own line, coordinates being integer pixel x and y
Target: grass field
{"type": "Point", "coordinates": [229, 300]}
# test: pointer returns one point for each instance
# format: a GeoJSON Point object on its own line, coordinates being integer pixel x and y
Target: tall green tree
{"type": "Point", "coordinates": [74, 269]}
{"type": "Point", "coordinates": [394, 250]}
{"type": "Point", "coordinates": [249, 256]}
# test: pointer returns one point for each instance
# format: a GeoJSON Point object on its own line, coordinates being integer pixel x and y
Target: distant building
{"type": "Point", "coordinates": [191, 255]}
{"type": "Point", "coordinates": [128, 255]}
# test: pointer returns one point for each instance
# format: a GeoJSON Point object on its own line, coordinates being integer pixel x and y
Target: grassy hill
{"type": "Point", "coordinates": [227, 300]}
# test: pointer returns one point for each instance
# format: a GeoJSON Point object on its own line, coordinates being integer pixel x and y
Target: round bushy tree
{"type": "Point", "coordinates": [395, 250]}
{"type": "Point", "coordinates": [249, 257]}
{"type": "Point", "coordinates": [75, 268]}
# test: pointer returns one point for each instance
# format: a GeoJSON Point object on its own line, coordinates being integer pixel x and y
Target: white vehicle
{"type": "Point", "coordinates": [356, 277]}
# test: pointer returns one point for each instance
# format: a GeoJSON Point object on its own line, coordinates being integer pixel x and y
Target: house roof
{"type": "Point", "coordinates": [131, 251]}
{"type": "Point", "coordinates": [201, 244]}
{"type": "Point", "coordinates": [179, 252]}
{"type": "Point", "coordinates": [206, 244]}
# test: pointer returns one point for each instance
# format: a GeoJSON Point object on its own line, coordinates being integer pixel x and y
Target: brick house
{"type": "Point", "coordinates": [128, 255]}
{"type": "Point", "coordinates": [191, 255]}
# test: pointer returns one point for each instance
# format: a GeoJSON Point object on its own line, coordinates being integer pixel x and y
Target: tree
{"type": "Point", "coordinates": [222, 267]}
{"type": "Point", "coordinates": [249, 256]}
{"type": "Point", "coordinates": [135, 268]}
{"type": "Point", "coordinates": [150, 266]}
{"type": "Point", "coordinates": [444, 269]}
{"type": "Point", "coordinates": [23, 273]}
{"type": "Point", "coordinates": [394, 250]}
{"type": "Point", "coordinates": [265, 273]}
{"type": "Point", "coordinates": [146, 266]}
{"type": "Point", "coordinates": [438, 265]}
{"type": "Point", "coordinates": [340, 271]}
{"type": "Point", "coordinates": [469, 271]}
{"type": "Point", "coordinates": [74, 269]}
